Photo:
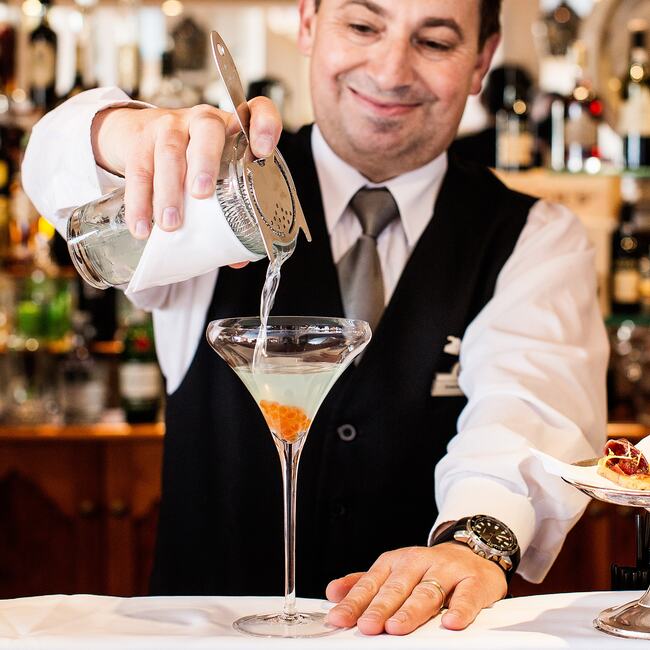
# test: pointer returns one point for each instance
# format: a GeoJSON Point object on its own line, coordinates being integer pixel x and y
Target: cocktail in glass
{"type": "Point", "coordinates": [304, 358]}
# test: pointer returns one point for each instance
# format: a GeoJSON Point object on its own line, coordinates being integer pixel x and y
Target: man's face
{"type": "Point", "coordinates": [390, 78]}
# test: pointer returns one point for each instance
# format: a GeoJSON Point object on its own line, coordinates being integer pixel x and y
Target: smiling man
{"type": "Point", "coordinates": [418, 488]}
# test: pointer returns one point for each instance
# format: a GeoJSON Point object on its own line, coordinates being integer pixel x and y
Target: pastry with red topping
{"type": "Point", "coordinates": [624, 464]}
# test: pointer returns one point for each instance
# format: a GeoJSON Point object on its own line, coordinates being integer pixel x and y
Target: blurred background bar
{"type": "Point", "coordinates": [564, 114]}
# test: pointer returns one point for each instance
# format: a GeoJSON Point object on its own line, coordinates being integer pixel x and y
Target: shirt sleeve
{"type": "Point", "coordinates": [533, 366]}
{"type": "Point", "coordinates": [59, 172]}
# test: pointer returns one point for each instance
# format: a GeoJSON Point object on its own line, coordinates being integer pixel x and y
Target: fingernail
{"type": "Point", "coordinates": [202, 184]}
{"type": "Point", "coordinates": [398, 617]}
{"type": "Point", "coordinates": [170, 218]}
{"type": "Point", "coordinates": [141, 228]}
{"type": "Point", "coordinates": [264, 145]}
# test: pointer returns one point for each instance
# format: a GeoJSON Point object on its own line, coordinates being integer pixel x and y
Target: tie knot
{"type": "Point", "coordinates": [375, 209]}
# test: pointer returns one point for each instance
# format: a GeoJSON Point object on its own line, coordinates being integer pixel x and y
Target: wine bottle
{"type": "Point", "coordinates": [625, 264]}
{"type": "Point", "coordinates": [634, 123]}
{"type": "Point", "coordinates": [7, 51]}
{"type": "Point", "coordinates": [514, 140]}
{"type": "Point", "coordinates": [42, 62]}
{"type": "Point", "coordinates": [5, 185]}
{"type": "Point", "coordinates": [139, 375]}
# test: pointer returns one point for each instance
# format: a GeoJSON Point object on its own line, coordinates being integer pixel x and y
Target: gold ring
{"type": "Point", "coordinates": [438, 586]}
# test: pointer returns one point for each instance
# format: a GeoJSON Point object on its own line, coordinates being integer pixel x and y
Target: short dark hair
{"type": "Point", "coordinates": [490, 23]}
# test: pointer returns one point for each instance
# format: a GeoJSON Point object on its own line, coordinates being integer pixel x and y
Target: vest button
{"type": "Point", "coordinates": [347, 433]}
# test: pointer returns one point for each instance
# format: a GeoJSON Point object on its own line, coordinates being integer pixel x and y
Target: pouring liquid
{"type": "Point", "coordinates": [270, 288]}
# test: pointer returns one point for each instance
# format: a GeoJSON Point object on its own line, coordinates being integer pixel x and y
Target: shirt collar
{"type": "Point", "coordinates": [414, 192]}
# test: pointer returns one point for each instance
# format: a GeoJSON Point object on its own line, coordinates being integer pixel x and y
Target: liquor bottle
{"type": "Point", "coordinates": [83, 384]}
{"type": "Point", "coordinates": [190, 43]}
{"type": "Point", "coordinates": [634, 123]}
{"type": "Point", "coordinates": [139, 375]}
{"type": "Point", "coordinates": [514, 140]}
{"type": "Point", "coordinates": [172, 91]}
{"type": "Point", "coordinates": [42, 62]}
{"type": "Point", "coordinates": [128, 49]}
{"type": "Point", "coordinates": [101, 309]}
{"type": "Point", "coordinates": [625, 264]}
{"type": "Point", "coordinates": [7, 51]}
{"type": "Point", "coordinates": [575, 122]}
{"type": "Point", "coordinates": [5, 184]}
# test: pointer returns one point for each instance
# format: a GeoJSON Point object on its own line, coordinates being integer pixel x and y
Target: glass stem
{"type": "Point", "coordinates": [289, 457]}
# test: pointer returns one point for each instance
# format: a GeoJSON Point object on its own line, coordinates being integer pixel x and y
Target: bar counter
{"type": "Point", "coordinates": [81, 622]}
{"type": "Point", "coordinates": [95, 489]}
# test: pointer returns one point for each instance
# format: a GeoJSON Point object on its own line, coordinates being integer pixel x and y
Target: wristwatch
{"type": "Point", "coordinates": [487, 537]}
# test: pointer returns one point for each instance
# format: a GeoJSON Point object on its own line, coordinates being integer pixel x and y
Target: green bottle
{"type": "Point", "coordinates": [139, 375]}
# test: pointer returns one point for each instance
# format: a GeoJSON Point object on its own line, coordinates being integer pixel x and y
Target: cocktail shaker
{"type": "Point", "coordinates": [256, 197]}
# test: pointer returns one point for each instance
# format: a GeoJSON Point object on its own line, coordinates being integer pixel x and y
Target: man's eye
{"type": "Point", "coordinates": [434, 45]}
{"type": "Point", "coordinates": [361, 29]}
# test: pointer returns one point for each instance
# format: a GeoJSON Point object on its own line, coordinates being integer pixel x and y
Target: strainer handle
{"type": "Point", "coordinates": [231, 79]}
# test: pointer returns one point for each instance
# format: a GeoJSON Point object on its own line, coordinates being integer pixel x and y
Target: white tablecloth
{"type": "Point", "coordinates": [184, 623]}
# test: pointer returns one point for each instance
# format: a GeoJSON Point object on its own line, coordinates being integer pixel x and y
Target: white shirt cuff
{"type": "Point", "coordinates": [480, 496]}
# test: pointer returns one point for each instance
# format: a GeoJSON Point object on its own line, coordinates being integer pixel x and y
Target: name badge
{"type": "Point", "coordinates": [445, 384]}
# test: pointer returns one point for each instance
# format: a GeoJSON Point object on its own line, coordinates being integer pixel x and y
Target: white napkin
{"type": "Point", "coordinates": [586, 475]}
{"type": "Point", "coordinates": [202, 244]}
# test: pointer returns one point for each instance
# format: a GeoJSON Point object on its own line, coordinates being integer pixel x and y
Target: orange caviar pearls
{"type": "Point", "coordinates": [286, 422]}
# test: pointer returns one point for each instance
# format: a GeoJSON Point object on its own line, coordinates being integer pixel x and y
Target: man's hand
{"type": "Point", "coordinates": [390, 598]}
{"type": "Point", "coordinates": [154, 149]}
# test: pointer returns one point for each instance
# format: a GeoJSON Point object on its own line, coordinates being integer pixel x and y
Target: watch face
{"type": "Point", "coordinates": [493, 533]}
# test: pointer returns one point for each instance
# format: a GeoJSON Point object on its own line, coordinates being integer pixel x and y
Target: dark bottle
{"type": "Point", "coordinates": [5, 185]}
{"type": "Point", "coordinates": [101, 307]}
{"type": "Point", "coordinates": [140, 385]}
{"type": "Point", "coordinates": [514, 140]}
{"type": "Point", "coordinates": [7, 51]}
{"type": "Point", "coordinates": [42, 62]}
{"type": "Point", "coordinates": [83, 385]}
{"type": "Point", "coordinates": [625, 265]}
{"type": "Point", "coordinates": [634, 122]}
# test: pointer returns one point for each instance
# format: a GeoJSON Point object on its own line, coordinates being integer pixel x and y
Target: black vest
{"type": "Point", "coordinates": [362, 489]}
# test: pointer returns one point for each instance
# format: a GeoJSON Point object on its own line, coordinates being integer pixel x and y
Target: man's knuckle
{"type": "Point", "coordinates": [141, 175]}
{"type": "Point", "coordinates": [395, 587]}
{"type": "Point", "coordinates": [367, 584]}
{"type": "Point", "coordinates": [204, 110]}
{"type": "Point", "coordinates": [168, 122]}
{"type": "Point", "coordinates": [171, 152]}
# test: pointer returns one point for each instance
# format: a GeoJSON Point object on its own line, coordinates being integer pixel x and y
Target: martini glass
{"type": "Point", "coordinates": [304, 358]}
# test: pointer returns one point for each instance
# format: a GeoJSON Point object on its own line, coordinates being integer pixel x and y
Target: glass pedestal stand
{"type": "Point", "coordinates": [631, 620]}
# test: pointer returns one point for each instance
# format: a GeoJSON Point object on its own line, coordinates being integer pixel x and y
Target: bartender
{"type": "Point", "coordinates": [487, 334]}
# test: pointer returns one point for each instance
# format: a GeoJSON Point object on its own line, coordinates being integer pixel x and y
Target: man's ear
{"type": "Point", "coordinates": [483, 60]}
{"type": "Point", "coordinates": [307, 31]}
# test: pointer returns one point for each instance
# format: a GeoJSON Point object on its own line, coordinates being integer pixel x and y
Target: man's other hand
{"type": "Point", "coordinates": [155, 149]}
{"type": "Point", "coordinates": [391, 597]}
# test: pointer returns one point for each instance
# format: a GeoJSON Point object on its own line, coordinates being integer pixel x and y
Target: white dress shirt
{"type": "Point", "coordinates": [532, 362]}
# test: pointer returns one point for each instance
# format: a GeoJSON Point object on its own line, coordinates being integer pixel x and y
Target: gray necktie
{"type": "Point", "coordinates": [359, 270]}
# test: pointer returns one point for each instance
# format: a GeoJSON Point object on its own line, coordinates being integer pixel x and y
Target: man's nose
{"type": "Point", "coordinates": [391, 64]}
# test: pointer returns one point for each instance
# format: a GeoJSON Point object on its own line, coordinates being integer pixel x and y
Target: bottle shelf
{"type": "Point", "coordinates": [100, 431]}
{"type": "Point", "coordinates": [633, 431]}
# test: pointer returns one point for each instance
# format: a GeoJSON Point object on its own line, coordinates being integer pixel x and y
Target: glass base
{"type": "Point", "coordinates": [631, 620]}
{"type": "Point", "coordinates": [300, 626]}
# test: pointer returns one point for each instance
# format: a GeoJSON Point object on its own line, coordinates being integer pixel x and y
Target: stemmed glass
{"type": "Point", "coordinates": [304, 358]}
